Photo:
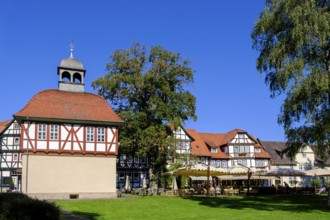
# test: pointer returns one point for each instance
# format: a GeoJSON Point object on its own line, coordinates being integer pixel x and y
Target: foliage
{"type": "Point", "coordinates": [21, 207]}
{"type": "Point", "coordinates": [327, 182]}
{"type": "Point", "coordinates": [293, 38]}
{"type": "Point", "coordinates": [174, 166]}
{"type": "Point", "coordinates": [316, 182]}
{"type": "Point", "coordinates": [224, 207]}
{"type": "Point", "coordinates": [201, 173]}
{"type": "Point", "coordinates": [149, 91]}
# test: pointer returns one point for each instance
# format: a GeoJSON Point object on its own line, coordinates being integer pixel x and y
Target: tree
{"type": "Point", "coordinates": [293, 38]}
{"type": "Point", "coordinates": [149, 91]}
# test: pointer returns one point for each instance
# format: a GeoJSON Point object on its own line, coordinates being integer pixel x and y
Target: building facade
{"type": "Point", "coordinates": [237, 147]}
{"type": "Point", "coordinates": [304, 160]}
{"type": "Point", "coordinates": [10, 156]}
{"type": "Point", "coordinates": [68, 140]}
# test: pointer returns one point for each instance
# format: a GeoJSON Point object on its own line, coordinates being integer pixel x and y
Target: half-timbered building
{"type": "Point", "coordinates": [69, 140]}
{"type": "Point", "coordinates": [10, 156]}
{"type": "Point", "coordinates": [236, 147]}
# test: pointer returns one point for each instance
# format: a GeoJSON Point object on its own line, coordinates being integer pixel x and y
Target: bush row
{"type": "Point", "coordinates": [19, 206]}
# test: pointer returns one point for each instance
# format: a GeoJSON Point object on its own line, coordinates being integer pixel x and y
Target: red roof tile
{"type": "Point", "coordinates": [4, 124]}
{"type": "Point", "coordinates": [56, 104]}
{"type": "Point", "coordinates": [198, 147]}
{"type": "Point", "coordinates": [218, 140]}
{"type": "Point", "coordinates": [213, 140]}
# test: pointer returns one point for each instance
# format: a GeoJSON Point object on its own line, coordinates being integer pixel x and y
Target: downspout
{"type": "Point", "coordinates": [27, 157]}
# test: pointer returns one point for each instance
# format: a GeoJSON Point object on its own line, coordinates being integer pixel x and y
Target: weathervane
{"type": "Point", "coordinates": [71, 49]}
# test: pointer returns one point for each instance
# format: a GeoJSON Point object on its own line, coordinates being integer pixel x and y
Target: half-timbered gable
{"type": "Point", "coordinates": [69, 138]}
{"type": "Point", "coordinates": [182, 141]}
{"type": "Point", "coordinates": [10, 155]}
{"type": "Point", "coordinates": [244, 149]}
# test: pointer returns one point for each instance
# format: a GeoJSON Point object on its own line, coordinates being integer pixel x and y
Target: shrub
{"type": "Point", "coordinates": [316, 182]}
{"type": "Point", "coordinates": [19, 206]}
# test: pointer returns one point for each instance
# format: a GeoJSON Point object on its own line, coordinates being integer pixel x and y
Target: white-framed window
{"type": "Point", "coordinates": [257, 150]}
{"type": "Point", "coordinates": [16, 140]}
{"type": "Point", "coordinates": [241, 149]}
{"type": "Point", "coordinates": [16, 125]}
{"type": "Point", "coordinates": [304, 155]}
{"type": "Point", "coordinates": [53, 132]}
{"type": "Point", "coordinates": [260, 163]}
{"type": "Point", "coordinates": [89, 134]}
{"type": "Point", "coordinates": [214, 150]}
{"type": "Point", "coordinates": [42, 128]}
{"type": "Point", "coordinates": [301, 167]}
{"type": "Point", "coordinates": [241, 136]}
{"type": "Point", "coordinates": [242, 162]}
{"type": "Point", "coordinates": [224, 163]}
{"type": "Point", "coordinates": [15, 157]}
{"type": "Point", "coordinates": [100, 134]}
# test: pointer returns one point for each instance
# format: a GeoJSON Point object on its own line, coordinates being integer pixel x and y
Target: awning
{"type": "Point", "coordinates": [201, 178]}
{"type": "Point", "coordinates": [244, 177]}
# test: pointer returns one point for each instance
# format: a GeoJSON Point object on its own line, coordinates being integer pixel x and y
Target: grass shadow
{"type": "Point", "coordinates": [292, 203]}
{"type": "Point", "coordinates": [77, 215]}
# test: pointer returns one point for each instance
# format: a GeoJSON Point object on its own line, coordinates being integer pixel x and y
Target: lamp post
{"type": "Point", "coordinates": [208, 177]}
{"type": "Point", "coordinates": [249, 173]}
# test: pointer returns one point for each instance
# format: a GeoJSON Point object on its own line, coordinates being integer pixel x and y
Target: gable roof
{"type": "Point", "coordinates": [273, 148]}
{"type": "Point", "coordinates": [218, 140]}
{"type": "Point", "coordinates": [4, 125]}
{"type": "Point", "coordinates": [57, 105]}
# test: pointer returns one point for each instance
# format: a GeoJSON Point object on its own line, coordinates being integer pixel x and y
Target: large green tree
{"type": "Point", "coordinates": [293, 38]}
{"type": "Point", "coordinates": [149, 90]}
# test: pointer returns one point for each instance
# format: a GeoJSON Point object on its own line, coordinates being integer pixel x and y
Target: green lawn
{"type": "Point", "coordinates": [201, 208]}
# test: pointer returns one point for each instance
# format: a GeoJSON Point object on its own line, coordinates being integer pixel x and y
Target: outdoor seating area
{"type": "Point", "coordinates": [226, 191]}
{"type": "Point", "coordinates": [235, 184]}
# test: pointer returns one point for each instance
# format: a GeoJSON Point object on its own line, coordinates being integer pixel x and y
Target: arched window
{"type": "Point", "coordinates": [66, 77]}
{"type": "Point", "coordinates": [77, 78]}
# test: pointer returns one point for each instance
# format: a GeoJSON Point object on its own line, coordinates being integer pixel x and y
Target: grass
{"type": "Point", "coordinates": [202, 208]}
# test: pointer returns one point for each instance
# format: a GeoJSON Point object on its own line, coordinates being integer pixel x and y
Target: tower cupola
{"type": "Point", "coordinates": [71, 74]}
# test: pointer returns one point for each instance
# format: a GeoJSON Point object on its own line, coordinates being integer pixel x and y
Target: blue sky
{"type": "Point", "coordinates": [214, 35]}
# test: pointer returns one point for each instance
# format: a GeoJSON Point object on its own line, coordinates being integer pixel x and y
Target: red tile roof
{"type": "Point", "coordinates": [4, 124]}
{"type": "Point", "coordinates": [218, 140]}
{"type": "Point", "coordinates": [198, 147]}
{"type": "Point", "coordinates": [213, 140]}
{"type": "Point", "coordinates": [63, 105]}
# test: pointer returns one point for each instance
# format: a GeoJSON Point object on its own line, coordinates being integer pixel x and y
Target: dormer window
{"type": "Point", "coordinates": [214, 150]}
{"type": "Point", "coordinates": [257, 150]}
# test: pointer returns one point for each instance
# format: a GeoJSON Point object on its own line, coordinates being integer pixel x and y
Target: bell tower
{"type": "Point", "coordinates": [71, 74]}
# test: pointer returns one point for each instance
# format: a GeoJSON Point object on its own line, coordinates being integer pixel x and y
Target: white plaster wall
{"type": "Point", "coordinates": [68, 174]}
